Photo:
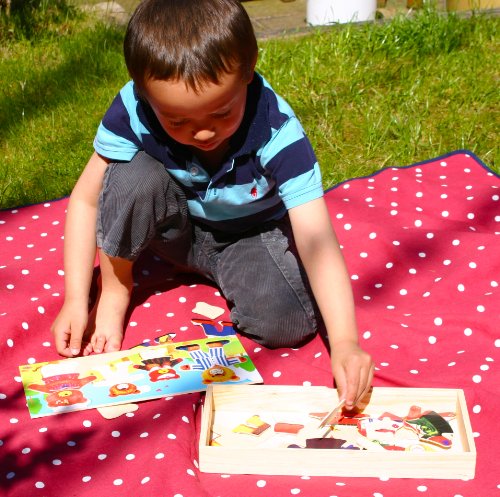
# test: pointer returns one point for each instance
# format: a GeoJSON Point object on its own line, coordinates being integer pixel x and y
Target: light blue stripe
{"type": "Point", "coordinates": [115, 147]}
{"type": "Point", "coordinates": [303, 188]}
{"type": "Point", "coordinates": [217, 211]}
{"type": "Point", "coordinates": [283, 105]}
{"type": "Point", "coordinates": [130, 103]}
{"type": "Point", "coordinates": [289, 133]}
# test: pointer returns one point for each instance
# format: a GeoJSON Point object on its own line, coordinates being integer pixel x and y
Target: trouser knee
{"type": "Point", "coordinates": [278, 326]}
{"type": "Point", "coordinates": [139, 199]}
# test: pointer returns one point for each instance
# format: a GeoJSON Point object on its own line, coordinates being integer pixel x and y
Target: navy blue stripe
{"type": "Point", "coordinates": [242, 224]}
{"type": "Point", "coordinates": [303, 161]}
{"type": "Point", "coordinates": [117, 121]}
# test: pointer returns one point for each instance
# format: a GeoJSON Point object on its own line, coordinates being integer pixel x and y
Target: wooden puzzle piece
{"type": "Point", "coordinates": [112, 412]}
{"type": "Point", "coordinates": [207, 310]}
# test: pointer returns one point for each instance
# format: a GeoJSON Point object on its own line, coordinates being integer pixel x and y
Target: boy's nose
{"type": "Point", "coordinates": [204, 135]}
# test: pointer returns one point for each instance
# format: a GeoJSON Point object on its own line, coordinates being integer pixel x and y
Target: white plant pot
{"type": "Point", "coordinates": [323, 12]}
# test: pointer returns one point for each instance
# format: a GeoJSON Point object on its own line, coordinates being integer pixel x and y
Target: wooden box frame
{"type": "Point", "coordinates": [329, 462]}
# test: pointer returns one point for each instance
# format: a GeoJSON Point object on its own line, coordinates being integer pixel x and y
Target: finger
{"type": "Point", "coordinates": [352, 388]}
{"type": "Point", "coordinates": [61, 339]}
{"type": "Point", "coordinates": [75, 339]}
{"type": "Point", "coordinates": [340, 382]}
{"type": "Point", "coordinates": [365, 387]}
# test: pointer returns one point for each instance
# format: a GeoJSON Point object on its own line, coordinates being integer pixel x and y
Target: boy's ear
{"type": "Point", "coordinates": [251, 70]}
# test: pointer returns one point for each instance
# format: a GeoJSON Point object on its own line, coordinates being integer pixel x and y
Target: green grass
{"type": "Point", "coordinates": [368, 96]}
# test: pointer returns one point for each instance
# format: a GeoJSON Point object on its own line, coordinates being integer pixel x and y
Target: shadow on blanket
{"type": "Point", "coordinates": [421, 244]}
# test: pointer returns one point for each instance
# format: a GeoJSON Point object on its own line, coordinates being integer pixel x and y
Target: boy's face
{"type": "Point", "coordinates": [205, 120]}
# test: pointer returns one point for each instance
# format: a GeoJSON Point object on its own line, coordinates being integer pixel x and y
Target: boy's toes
{"type": "Point", "coordinates": [113, 344]}
{"type": "Point", "coordinates": [98, 344]}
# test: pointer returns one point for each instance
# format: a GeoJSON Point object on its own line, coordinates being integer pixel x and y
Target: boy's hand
{"type": "Point", "coordinates": [352, 369]}
{"type": "Point", "coordinates": [68, 329]}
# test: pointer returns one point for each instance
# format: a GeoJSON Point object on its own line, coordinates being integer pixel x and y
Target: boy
{"type": "Point", "coordinates": [198, 159]}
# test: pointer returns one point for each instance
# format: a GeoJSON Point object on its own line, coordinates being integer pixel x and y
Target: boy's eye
{"type": "Point", "coordinates": [176, 124]}
{"type": "Point", "coordinates": [222, 115]}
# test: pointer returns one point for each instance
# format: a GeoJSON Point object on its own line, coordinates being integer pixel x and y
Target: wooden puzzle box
{"type": "Point", "coordinates": [395, 433]}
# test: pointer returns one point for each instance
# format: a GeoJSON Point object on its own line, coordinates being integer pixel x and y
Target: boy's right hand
{"type": "Point", "coordinates": [69, 327]}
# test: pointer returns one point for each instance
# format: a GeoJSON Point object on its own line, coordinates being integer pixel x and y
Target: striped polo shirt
{"type": "Point", "coordinates": [270, 168]}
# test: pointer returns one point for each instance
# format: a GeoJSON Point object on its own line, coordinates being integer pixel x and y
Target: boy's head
{"type": "Point", "coordinates": [191, 41]}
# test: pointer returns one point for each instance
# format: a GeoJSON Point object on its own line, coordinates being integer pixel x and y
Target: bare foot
{"type": "Point", "coordinates": [106, 322]}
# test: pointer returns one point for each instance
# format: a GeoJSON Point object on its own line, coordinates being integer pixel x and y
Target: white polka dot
{"type": "Point", "coordinates": [261, 483]}
{"type": "Point", "coordinates": [480, 308]}
{"type": "Point", "coordinates": [484, 367]}
{"type": "Point", "coordinates": [26, 450]}
{"type": "Point", "coordinates": [445, 213]}
{"type": "Point", "coordinates": [461, 287]}
{"type": "Point", "coordinates": [497, 342]}
{"type": "Point", "coordinates": [413, 371]}
{"type": "Point", "coordinates": [476, 378]}
{"type": "Point", "coordinates": [438, 321]}
{"type": "Point", "coordinates": [494, 284]}
{"type": "Point", "coordinates": [86, 479]}
{"type": "Point", "coordinates": [403, 291]}
{"type": "Point", "coordinates": [118, 482]}
{"type": "Point", "coordinates": [101, 457]}
{"type": "Point", "coordinates": [372, 236]}
{"type": "Point", "coordinates": [130, 457]}
{"type": "Point", "coordinates": [160, 455]}
{"type": "Point", "coordinates": [10, 475]}
{"type": "Point", "coordinates": [40, 484]}
{"type": "Point", "coordinates": [472, 265]}
{"type": "Point", "coordinates": [71, 443]}
{"type": "Point", "coordinates": [476, 409]}
{"type": "Point", "coordinates": [432, 340]}
{"type": "Point", "coordinates": [57, 462]}
{"type": "Point", "coordinates": [418, 223]}
{"type": "Point", "coordinates": [10, 342]}
{"type": "Point", "coordinates": [277, 374]}
{"type": "Point", "coordinates": [467, 332]}
{"type": "Point", "coordinates": [389, 265]}
{"type": "Point", "coordinates": [295, 491]}
{"type": "Point", "coordinates": [367, 335]}
{"type": "Point", "coordinates": [144, 434]}
{"type": "Point", "coordinates": [13, 421]}
{"type": "Point", "coordinates": [182, 300]}
{"type": "Point", "coordinates": [171, 436]}
{"type": "Point", "coordinates": [422, 488]}
{"type": "Point", "coordinates": [347, 226]}
{"type": "Point", "coordinates": [87, 423]}
{"type": "Point", "coordinates": [422, 255]}
{"type": "Point", "coordinates": [430, 235]}
{"type": "Point", "coordinates": [115, 434]}
{"type": "Point", "coordinates": [147, 479]}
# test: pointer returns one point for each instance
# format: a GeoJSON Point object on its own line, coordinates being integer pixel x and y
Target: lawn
{"type": "Point", "coordinates": [369, 96]}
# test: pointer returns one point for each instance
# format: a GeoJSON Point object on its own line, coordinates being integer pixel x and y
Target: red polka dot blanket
{"type": "Point", "coordinates": [422, 247]}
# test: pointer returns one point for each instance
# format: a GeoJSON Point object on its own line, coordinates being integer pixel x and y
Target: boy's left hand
{"type": "Point", "coordinates": [353, 370]}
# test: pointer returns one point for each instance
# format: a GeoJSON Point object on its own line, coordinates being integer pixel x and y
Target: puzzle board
{"type": "Point", "coordinates": [142, 373]}
{"type": "Point", "coordinates": [396, 433]}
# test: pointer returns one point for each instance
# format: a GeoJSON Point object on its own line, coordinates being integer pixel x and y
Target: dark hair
{"type": "Point", "coordinates": [195, 41]}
